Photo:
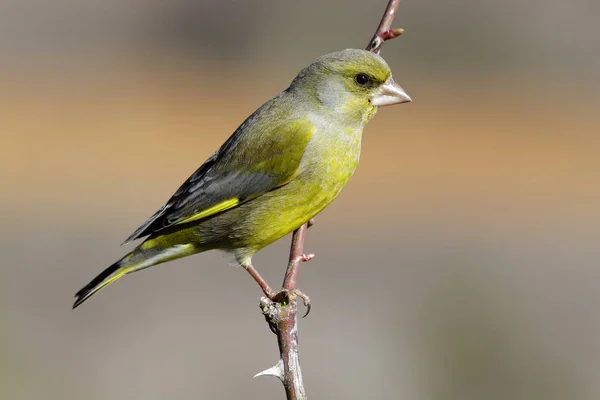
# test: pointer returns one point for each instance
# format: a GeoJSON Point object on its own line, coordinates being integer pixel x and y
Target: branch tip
{"type": "Point", "coordinates": [384, 31]}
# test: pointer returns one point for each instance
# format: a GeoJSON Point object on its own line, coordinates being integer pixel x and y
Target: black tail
{"type": "Point", "coordinates": [149, 253]}
{"type": "Point", "coordinates": [92, 287]}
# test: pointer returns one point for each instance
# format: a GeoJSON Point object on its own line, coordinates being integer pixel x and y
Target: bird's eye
{"type": "Point", "coordinates": [362, 79]}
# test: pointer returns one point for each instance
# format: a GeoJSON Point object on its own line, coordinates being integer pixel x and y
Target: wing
{"type": "Point", "coordinates": [253, 161]}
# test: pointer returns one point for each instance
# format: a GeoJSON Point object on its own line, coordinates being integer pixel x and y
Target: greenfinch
{"type": "Point", "coordinates": [280, 168]}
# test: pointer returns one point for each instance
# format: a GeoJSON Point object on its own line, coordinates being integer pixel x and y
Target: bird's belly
{"type": "Point", "coordinates": [271, 216]}
{"type": "Point", "coordinates": [325, 170]}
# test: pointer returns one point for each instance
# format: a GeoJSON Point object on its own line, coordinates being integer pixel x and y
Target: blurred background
{"type": "Point", "coordinates": [461, 262]}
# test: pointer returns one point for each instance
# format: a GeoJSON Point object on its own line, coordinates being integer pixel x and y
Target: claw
{"type": "Point", "coordinates": [305, 300]}
{"type": "Point", "coordinates": [308, 306]}
{"type": "Point", "coordinates": [273, 327]}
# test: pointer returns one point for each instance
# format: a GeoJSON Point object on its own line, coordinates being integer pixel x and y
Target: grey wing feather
{"type": "Point", "coordinates": [204, 189]}
{"type": "Point", "coordinates": [148, 227]}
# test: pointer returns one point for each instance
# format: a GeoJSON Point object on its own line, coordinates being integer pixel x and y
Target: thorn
{"type": "Point", "coordinates": [310, 222]}
{"type": "Point", "coordinates": [276, 371]}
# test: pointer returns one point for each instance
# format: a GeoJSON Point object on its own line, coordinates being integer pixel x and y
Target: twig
{"type": "Point", "coordinates": [384, 31]}
{"type": "Point", "coordinates": [296, 258]}
{"type": "Point", "coordinates": [280, 310]}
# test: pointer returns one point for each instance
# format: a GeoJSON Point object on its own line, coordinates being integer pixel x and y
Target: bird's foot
{"type": "Point", "coordinates": [285, 296]}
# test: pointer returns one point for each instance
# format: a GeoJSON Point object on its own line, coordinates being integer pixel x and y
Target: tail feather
{"type": "Point", "coordinates": [107, 276]}
{"type": "Point", "coordinates": [141, 258]}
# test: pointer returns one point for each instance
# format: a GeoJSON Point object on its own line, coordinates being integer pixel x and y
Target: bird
{"type": "Point", "coordinates": [282, 166]}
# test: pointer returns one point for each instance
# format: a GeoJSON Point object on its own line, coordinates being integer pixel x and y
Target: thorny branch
{"type": "Point", "coordinates": [280, 310]}
{"type": "Point", "coordinates": [281, 315]}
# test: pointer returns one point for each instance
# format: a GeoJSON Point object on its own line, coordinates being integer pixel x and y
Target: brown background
{"type": "Point", "coordinates": [461, 262]}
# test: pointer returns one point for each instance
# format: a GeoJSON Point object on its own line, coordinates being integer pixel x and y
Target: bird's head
{"type": "Point", "coordinates": [350, 84]}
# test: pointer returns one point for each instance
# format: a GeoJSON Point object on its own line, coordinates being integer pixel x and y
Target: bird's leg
{"type": "Point", "coordinates": [270, 293]}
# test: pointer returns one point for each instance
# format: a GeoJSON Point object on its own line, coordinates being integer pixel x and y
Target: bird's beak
{"type": "Point", "coordinates": [390, 93]}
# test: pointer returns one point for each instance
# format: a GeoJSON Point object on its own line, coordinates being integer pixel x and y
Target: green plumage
{"type": "Point", "coordinates": [280, 168]}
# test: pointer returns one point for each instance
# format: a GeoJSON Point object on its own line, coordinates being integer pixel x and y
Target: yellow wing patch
{"type": "Point", "coordinates": [222, 206]}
